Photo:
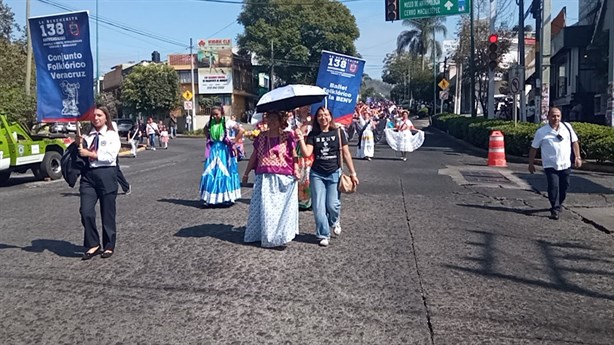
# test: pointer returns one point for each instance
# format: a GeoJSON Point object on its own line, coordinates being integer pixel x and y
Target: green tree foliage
{"type": "Point", "coordinates": [409, 80]}
{"type": "Point", "coordinates": [151, 90]}
{"type": "Point", "coordinates": [13, 99]}
{"type": "Point", "coordinates": [299, 31]}
{"type": "Point", "coordinates": [480, 64]}
{"type": "Point", "coordinates": [108, 100]}
{"type": "Point", "coordinates": [419, 40]}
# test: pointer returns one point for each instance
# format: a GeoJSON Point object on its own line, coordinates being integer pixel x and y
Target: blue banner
{"type": "Point", "coordinates": [64, 67]}
{"type": "Point", "coordinates": [341, 76]}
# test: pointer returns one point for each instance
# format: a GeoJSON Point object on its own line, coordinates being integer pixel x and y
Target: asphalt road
{"type": "Point", "coordinates": [423, 258]}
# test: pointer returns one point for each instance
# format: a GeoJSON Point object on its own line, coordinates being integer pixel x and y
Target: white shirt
{"type": "Point", "coordinates": [108, 147]}
{"type": "Point", "coordinates": [151, 128]}
{"type": "Point", "coordinates": [555, 153]}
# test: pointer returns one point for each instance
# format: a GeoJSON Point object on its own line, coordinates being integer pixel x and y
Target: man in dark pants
{"type": "Point", "coordinates": [556, 140]}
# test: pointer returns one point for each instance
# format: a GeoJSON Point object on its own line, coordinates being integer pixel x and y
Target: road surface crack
{"type": "Point", "coordinates": [420, 280]}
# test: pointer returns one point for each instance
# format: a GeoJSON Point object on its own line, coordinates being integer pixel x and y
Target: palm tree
{"type": "Point", "coordinates": [419, 39]}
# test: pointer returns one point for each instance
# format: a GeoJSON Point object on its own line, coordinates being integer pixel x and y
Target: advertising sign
{"type": "Point", "coordinates": [214, 81]}
{"type": "Point", "coordinates": [215, 52]}
{"type": "Point", "coordinates": [64, 68]}
{"type": "Point", "coordinates": [340, 76]}
{"type": "Point", "coordinates": [410, 9]}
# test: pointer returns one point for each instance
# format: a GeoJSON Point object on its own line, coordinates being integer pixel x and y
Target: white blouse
{"type": "Point", "coordinates": [108, 147]}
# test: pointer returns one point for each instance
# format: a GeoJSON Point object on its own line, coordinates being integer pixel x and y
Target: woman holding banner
{"type": "Point", "coordinates": [99, 182]}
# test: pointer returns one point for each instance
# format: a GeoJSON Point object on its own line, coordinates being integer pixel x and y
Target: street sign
{"type": "Point", "coordinates": [443, 95]}
{"type": "Point", "coordinates": [515, 85]}
{"type": "Point", "coordinates": [187, 95]}
{"type": "Point", "coordinates": [187, 105]}
{"type": "Point", "coordinates": [410, 9]}
{"type": "Point", "coordinates": [444, 84]}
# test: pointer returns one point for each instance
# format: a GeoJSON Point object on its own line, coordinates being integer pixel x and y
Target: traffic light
{"type": "Point", "coordinates": [392, 10]}
{"type": "Point", "coordinates": [493, 46]}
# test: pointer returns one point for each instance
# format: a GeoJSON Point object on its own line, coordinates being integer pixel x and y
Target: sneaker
{"type": "Point", "coordinates": [554, 215]}
{"type": "Point", "coordinates": [129, 191]}
{"type": "Point", "coordinates": [337, 229]}
{"type": "Point", "coordinates": [404, 159]}
{"type": "Point", "coordinates": [324, 242]}
{"type": "Point", "coordinates": [153, 148]}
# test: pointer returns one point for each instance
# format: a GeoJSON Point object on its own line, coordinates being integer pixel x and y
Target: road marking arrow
{"type": "Point", "coordinates": [449, 5]}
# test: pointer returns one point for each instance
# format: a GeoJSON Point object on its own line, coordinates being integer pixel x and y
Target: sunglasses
{"type": "Point", "coordinates": [560, 137]}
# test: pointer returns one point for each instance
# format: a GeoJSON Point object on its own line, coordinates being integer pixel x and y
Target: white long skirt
{"type": "Point", "coordinates": [367, 144]}
{"type": "Point", "coordinates": [273, 210]}
{"type": "Point", "coordinates": [404, 141]}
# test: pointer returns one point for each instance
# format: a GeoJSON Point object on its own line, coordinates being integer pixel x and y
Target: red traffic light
{"type": "Point", "coordinates": [493, 38]}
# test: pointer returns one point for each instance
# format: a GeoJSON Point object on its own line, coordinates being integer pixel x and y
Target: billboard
{"type": "Point", "coordinates": [214, 80]}
{"type": "Point", "coordinates": [215, 52]}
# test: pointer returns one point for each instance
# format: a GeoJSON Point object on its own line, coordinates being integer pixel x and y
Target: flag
{"type": "Point", "coordinates": [340, 76]}
{"type": "Point", "coordinates": [64, 67]}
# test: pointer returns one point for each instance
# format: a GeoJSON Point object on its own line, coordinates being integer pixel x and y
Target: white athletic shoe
{"type": "Point", "coordinates": [324, 242]}
{"type": "Point", "coordinates": [337, 229]}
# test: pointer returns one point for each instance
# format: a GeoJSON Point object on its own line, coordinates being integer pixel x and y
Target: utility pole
{"type": "Point", "coordinates": [521, 60]}
{"type": "Point", "coordinates": [97, 52]}
{"type": "Point", "coordinates": [471, 64]}
{"type": "Point", "coordinates": [435, 68]}
{"type": "Point", "coordinates": [491, 71]}
{"type": "Point", "coordinates": [537, 13]}
{"type": "Point", "coordinates": [29, 56]}
{"type": "Point", "coordinates": [545, 56]}
{"type": "Point", "coordinates": [272, 74]}
{"type": "Point", "coordinates": [192, 123]}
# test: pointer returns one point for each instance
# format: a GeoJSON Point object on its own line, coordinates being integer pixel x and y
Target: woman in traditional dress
{"type": "Point", "coordinates": [404, 137]}
{"type": "Point", "coordinates": [366, 141]}
{"type": "Point", "coordinates": [219, 182]}
{"type": "Point", "coordinates": [273, 210]}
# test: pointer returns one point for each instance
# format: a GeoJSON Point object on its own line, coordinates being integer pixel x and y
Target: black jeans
{"type": "Point", "coordinates": [558, 182]}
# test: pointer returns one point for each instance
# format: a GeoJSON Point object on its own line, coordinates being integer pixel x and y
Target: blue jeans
{"type": "Point", "coordinates": [152, 140]}
{"type": "Point", "coordinates": [325, 201]}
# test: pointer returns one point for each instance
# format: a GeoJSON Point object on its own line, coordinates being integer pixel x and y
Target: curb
{"type": "Point", "coordinates": [586, 165]}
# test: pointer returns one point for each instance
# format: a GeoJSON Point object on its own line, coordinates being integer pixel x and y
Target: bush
{"type": "Point", "coordinates": [596, 141]}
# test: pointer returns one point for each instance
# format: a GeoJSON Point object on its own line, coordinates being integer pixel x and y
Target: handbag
{"type": "Point", "coordinates": [345, 183]}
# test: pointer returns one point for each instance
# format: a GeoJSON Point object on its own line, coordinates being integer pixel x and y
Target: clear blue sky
{"type": "Point", "coordinates": [179, 20]}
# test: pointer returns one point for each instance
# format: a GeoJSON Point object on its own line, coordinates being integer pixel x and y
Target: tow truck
{"type": "Point", "coordinates": [21, 150]}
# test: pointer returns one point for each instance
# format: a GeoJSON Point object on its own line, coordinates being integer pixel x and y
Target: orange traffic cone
{"type": "Point", "coordinates": [496, 150]}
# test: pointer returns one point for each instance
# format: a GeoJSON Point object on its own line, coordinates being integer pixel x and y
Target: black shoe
{"type": "Point", "coordinates": [106, 254]}
{"type": "Point", "coordinates": [87, 256]}
{"type": "Point", "coordinates": [554, 215]}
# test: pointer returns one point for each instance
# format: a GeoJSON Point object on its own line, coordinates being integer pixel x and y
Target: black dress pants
{"type": "Point", "coordinates": [98, 184]}
{"type": "Point", "coordinates": [121, 178]}
{"type": "Point", "coordinates": [558, 182]}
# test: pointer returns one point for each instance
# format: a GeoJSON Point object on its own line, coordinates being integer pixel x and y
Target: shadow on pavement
{"type": "Point", "coordinates": [577, 184]}
{"type": "Point", "coordinates": [70, 194]}
{"type": "Point", "coordinates": [60, 248]}
{"type": "Point", "coordinates": [191, 202]}
{"type": "Point", "coordinates": [524, 211]}
{"type": "Point", "coordinates": [222, 232]}
{"type": "Point", "coordinates": [562, 262]}
{"type": "Point", "coordinates": [17, 179]}
{"type": "Point", "coordinates": [7, 246]}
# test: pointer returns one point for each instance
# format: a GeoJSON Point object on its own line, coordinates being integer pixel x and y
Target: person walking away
{"type": "Point", "coordinates": [326, 142]}
{"type": "Point", "coordinates": [172, 126]}
{"type": "Point", "coordinates": [152, 130]}
{"type": "Point", "coordinates": [219, 183]}
{"type": "Point", "coordinates": [99, 183]}
{"type": "Point", "coordinates": [273, 210]}
{"type": "Point", "coordinates": [133, 137]}
{"type": "Point", "coordinates": [556, 141]}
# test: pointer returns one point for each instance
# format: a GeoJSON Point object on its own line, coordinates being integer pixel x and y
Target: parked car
{"type": "Point", "coordinates": [59, 127]}
{"type": "Point", "coordinates": [71, 127]}
{"type": "Point", "coordinates": [123, 126]}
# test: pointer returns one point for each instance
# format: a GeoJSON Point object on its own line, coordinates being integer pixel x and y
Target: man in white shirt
{"type": "Point", "coordinates": [556, 140]}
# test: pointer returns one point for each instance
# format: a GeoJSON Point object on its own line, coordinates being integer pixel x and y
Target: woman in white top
{"type": "Point", "coordinates": [366, 141]}
{"type": "Point", "coordinates": [404, 137]}
{"type": "Point", "coordinates": [99, 182]}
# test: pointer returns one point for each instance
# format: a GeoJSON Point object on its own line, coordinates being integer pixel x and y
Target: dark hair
{"type": "Point", "coordinates": [282, 116]}
{"type": "Point", "coordinates": [316, 126]}
{"type": "Point", "coordinates": [107, 114]}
